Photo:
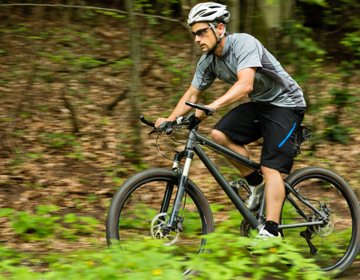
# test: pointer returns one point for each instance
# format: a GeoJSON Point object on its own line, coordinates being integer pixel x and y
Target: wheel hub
{"type": "Point", "coordinates": [325, 230]}
{"type": "Point", "coordinates": [159, 230]}
{"type": "Point", "coordinates": [322, 230]}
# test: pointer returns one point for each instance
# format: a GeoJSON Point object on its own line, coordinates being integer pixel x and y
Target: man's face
{"type": "Point", "coordinates": [205, 36]}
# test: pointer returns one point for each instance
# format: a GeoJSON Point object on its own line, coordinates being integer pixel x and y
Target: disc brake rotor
{"type": "Point", "coordinates": [157, 230]}
{"type": "Point", "coordinates": [322, 230]}
{"type": "Point", "coordinates": [326, 229]}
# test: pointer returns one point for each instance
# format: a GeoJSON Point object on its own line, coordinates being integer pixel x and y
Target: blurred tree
{"type": "Point", "coordinates": [234, 9]}
{"type": "Point", "coordinates": [274, 13]}
{"type": "Point", "coordinates": [134, 93]}
{"type": "Point", "coordinates": [250, 5]}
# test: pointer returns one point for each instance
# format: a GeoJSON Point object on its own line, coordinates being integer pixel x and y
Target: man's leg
{"type": "Point", "coordinates": [224, 140]}
{"type": "Point", "coordinates": [278, 129]}
{"type": "Point", "coordinates": [254, 179]}
{"type": "Point", "coordinates": [274, 193]}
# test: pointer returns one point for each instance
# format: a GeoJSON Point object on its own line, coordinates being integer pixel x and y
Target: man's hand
{"type": "Point", "coordinates": [200, 114]}
{"type": "Point", "coordinates": [159, 121]}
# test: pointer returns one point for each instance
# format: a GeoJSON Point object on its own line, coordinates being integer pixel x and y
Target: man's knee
{"type": "Point", "coordinates": [219, 137]}
{"type": "Point", "coordinates": [267, 171]}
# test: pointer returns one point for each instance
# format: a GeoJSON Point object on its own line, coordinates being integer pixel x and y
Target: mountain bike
{"type": "Point", "coordinates": [320, 213]}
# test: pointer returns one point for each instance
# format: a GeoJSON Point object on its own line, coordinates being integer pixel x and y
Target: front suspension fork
{"type": "Point", "coordinates": [183, 180]}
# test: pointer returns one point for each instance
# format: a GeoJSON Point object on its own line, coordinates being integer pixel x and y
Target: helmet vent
{"type": "Point", "coordinates": [199, 12]}
{"type": "Point", "coordinates": [208, 14]}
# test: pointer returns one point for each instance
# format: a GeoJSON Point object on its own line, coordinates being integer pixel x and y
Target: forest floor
{"type": "Point", "coordinates": [48, 87]}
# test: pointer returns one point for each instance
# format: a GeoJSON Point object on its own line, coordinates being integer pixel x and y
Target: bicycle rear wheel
{"type": "Point", "coordinates": [134, 212]}
{"type": "Point", "coordinates": [337, 243]}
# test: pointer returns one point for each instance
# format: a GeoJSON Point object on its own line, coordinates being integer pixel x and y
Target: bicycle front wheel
{"type": "Point", "coordinates": [135, 212]}
{"type": "Point", "coordinates": [335, 244]}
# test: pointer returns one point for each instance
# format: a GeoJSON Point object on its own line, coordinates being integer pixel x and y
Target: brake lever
{"type": "Point", "coordinates": [151, 132]}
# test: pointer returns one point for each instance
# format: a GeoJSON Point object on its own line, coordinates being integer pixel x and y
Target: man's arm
{"type": "Point", "coordinates": [193, 95]}
{"type": "Point", "coordinates": [239, 90]}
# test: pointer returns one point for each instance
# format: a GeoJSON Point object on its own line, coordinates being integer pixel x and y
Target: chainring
{"type": "Point", "coordinates": [245, 226]}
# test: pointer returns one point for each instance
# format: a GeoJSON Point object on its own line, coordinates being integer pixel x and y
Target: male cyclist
{"type": "Point", "coordinates": [275, 110]}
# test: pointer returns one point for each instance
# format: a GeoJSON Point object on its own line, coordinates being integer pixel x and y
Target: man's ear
{"type": "Point", "coordinates": [221, 28]}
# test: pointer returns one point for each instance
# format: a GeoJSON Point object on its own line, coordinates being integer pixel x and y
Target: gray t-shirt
{"type": "Point", "coordinates": [271, 84]}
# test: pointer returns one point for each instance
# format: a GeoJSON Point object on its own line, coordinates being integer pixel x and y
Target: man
{"type": "Point", "coordinates": [276, 109]}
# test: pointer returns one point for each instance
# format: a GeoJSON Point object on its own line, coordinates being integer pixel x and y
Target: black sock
{"type": "Point", "coordinates": [272, 227]}
{"type": "Point", "coordinates": [254, 179]}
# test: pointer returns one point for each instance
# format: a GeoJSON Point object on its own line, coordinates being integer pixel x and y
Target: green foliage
{"type": "Point", "coordinates": [231, 173]}
{"type": "Point", "coordinates": [305, 50]}
{"type": "Point", "coordinates": [87, 62]}
{"type": "Point", "coordinates": [32, 226]}
{"type": "Point", "coordinates": [77, 154]}
{"type": "Point", "coordinates": [44, 224]}
{"type": "Point", "coordinates": [34, 155]}
{"type": "Point", "coordinates": [112, 14]}
{"type": "Point", "coordinates": [149, 259]}
{"type": "Point", "coordinates": [58, 140]}
{"type": "Point", "coordinates": [140, 166]}
{"type": "Point", "coordinates": [308, 57]}
{"type": "Point", "coordinates": [229, 259]}
{"type": "Point", "coordinates": [115, 172]}
{"type": "Point", "coordinates": [316, 2]}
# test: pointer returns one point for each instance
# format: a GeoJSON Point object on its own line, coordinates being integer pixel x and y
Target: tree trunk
{"type": "Point", "coordinates": [250, 5]}
{"type": "Point", "coordinates": [135, 85]}
{"type": "Point", "coordinates": [234, 9]}
{"type": "Point", "coordinates": [274, 15]}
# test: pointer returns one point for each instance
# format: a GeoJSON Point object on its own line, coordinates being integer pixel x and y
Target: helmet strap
{"type": "Point", "coordinates": [218, 38]}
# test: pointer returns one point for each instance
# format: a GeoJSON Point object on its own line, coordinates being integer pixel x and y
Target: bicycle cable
{"type": "Point", "coordinates": [182, 211]}
{"type": "Point", "coordinates": [177, 130]}
{"type": "Point", "coordinates": [157, 146]}
{"type": "Point", "coordinates": [171, 149]}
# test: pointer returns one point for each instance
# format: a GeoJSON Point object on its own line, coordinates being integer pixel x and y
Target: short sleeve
{"type": "Point", "coordinates": [204, 75]}
{"type": "Point", "coordinates": [247, 52]}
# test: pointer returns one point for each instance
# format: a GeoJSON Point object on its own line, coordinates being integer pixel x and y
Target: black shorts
{"type": "Point", "coordinates": [277, 125]}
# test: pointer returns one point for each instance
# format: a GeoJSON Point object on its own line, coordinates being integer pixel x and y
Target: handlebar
{"type": "Point", "coordinates": [208, 111]}
{"type": "Point", "coordinates": [190, 120]}
{"type": "Point", "coordinates": [149, 123]}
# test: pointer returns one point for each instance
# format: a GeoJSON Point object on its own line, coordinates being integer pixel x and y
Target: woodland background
{"type": "Point", "coordinates": [75, 75]}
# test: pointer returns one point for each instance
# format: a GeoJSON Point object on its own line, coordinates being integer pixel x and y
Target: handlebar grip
{"type": "Point", "coordinates": [208, 111]}
{"type": "Point", "coordinates": [146, 122]}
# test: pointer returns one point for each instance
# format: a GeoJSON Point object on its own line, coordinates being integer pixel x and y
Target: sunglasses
{"type": "Point", "coordinates": [201, 32]}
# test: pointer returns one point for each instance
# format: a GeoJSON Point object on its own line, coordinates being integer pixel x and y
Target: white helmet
{"type": "Point", "coordinates": [208, 12]}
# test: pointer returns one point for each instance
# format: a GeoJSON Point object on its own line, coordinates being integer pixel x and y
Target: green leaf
{"type": "Point", "coordinates": [6, 212]}
{"type": "Point", "coordinates": [70, 218]}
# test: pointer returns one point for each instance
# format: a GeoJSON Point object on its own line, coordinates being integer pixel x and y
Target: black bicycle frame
{"type": "Point", "coordinates": [234, 197]}
{"type": "Point", "coordinates": [192, 145]}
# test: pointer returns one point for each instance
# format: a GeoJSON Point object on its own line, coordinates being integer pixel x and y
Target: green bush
{"type": "Point", "coordinates": [44, 224]}
{"type": "Point", "coordinates": [226, 258]}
